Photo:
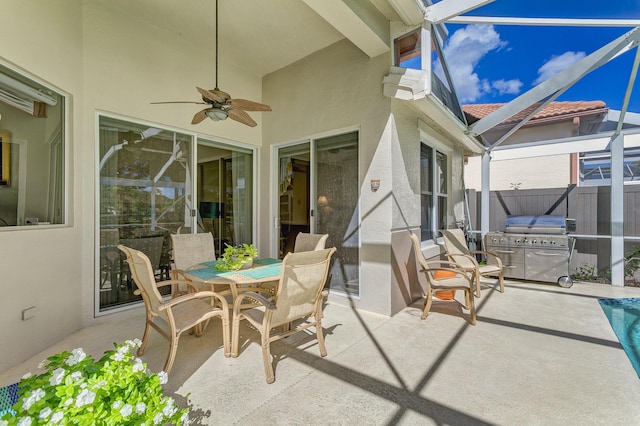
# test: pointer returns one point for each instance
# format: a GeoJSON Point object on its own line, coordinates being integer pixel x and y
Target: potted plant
{"type": "Point", "coordinates": [237, 257]}
{"type": "Point", "coordinates": [76, 389]}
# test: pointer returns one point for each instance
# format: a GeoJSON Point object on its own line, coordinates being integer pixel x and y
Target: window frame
{"type": "Point", "coordinates": [438, 197]}
{"type": "Point", "coordinates": [61, 131]}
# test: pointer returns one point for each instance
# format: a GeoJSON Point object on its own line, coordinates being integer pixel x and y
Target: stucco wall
{"type": "Point", "coordinates": [551, 171]}
{"type": "Point", "coordinates": [334, 90]}
{"type": "Point", "coordinates": [41, 267]}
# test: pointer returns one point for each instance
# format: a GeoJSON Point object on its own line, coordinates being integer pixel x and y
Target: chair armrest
{"type": "Point", "coordinates": [255, 296]}
{"type": "Point", "coordinates": [489, 254]}
{"type": "Point", "coordinates": [196, 295]}
{"type": "Point", "coordinates": [188, 283]}
{"type": "Point", "coordinates": [465, 256]}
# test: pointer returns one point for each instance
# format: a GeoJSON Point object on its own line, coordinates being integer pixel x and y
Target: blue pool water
{"type": "Point", "coordinates": [624, 317]}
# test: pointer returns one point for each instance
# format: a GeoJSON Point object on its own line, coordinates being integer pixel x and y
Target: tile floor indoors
{"type": "Point", "coordinates": [539, 355]}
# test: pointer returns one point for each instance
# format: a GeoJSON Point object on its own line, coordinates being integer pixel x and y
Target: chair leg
{"type": "Point", "coordinates": [427, 304]}
{"type": "Point", "coordinates": [472, 308]}
{"type": "Point", "coordinates": [235, 335]}
{"type": "Point", "coordinates": [173, 347]}
{"type": "Point", "coordinates": [145, 339]}
{"type": "Point", "coordinates": [225, 336]}
{"type": "Point", "coordinates": [266, 357]}
{"type": "Point", "coordinates": [501, 281]}
{"type": "Point", "coordinates": [320, 335]}
{"type": "Point", "coordinates": [477, 280]}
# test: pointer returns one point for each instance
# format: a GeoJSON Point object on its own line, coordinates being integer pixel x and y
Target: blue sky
{"type": "Point", "coordinates": [496, 63]}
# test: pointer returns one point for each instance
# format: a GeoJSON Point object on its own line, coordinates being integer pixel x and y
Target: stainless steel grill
{"type": "Point", "coordinates": [535, 248]}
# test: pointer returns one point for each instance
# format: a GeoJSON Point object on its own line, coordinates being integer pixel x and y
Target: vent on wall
{"type": "Point", "coordinates": [24, 97]}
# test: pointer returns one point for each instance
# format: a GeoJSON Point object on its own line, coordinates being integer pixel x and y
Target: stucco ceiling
{"type": "Point", "coordinates": [261, 35]}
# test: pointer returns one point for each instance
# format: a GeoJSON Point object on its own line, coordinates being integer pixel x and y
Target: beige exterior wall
{"type": "Point", "coordinates": [541, 171]}
{"type": "Point", "coordinates": [550, 171]}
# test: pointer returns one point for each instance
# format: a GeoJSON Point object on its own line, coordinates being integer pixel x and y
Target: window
{"type": "Point", "coordinates": [595, 167]}
{"type": "Point", "coordinates": [433, 192]}
{"type": "Point", "coordinates": [33, 119]}
{"type": "Point", "coordinates": [408, 51]}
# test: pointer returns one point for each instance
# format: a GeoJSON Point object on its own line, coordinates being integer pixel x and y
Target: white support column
{"type": "Point", "coordinates": [486, 194]}
{"type": "Point", "coordinates": [617, 211]}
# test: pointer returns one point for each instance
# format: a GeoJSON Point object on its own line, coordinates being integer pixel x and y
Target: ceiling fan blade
{"type": "Point", "coordinates": [249, 105]}
{"type": "Point", "coordinates": [212, 96]}
{"type": "Point", "coordinates": [180, 102]}
{"type": "Point", "coordinates": [241, 116]}
{"type": "Point", "coordinates": [200, 115]}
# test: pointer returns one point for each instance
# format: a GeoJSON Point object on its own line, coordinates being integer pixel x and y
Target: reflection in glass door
{"type": "Point", "coordinates": [294, 194]}
{"type": "Point", "coordinates": [225, 192]}
{"type": "Point", "coordinates": [337, 206]}
{"type": "Point", "coordinates": [319, 194]}
{"type": "Point", "coordinates": [145, 195]}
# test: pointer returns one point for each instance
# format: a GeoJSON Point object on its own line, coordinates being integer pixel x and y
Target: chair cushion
{"type": "Point", "coordinates": [440, 274]}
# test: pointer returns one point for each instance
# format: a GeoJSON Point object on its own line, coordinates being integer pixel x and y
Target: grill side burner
{"type": "Point", "coordinates": [533, 256]}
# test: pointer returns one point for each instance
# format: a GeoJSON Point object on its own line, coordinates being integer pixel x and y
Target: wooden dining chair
{"type": "Point", "coordinates": [173, 317]}
{"type": "Point", "coordinates": [299, 296]}
{"type": "Point", "coordinates": [444, 275]}
{"type": "Point", "coordinates": [189, 251]}
{"type": "Point", "coordinates": [457, 251]}
{"type": "Point", "coordinates": [308, 242]}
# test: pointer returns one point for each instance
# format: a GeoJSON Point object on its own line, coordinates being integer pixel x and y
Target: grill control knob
{"type": "Point", "coordinates": [534, 241]}
{"type": "Point", "coordinates": [553, 243]}
{"type": "Point", "coordinates": [543, 242]}
{"type": "Point", "coordinates": [517, 240]}
{"type": "Point", "coordinates": [501, 240]}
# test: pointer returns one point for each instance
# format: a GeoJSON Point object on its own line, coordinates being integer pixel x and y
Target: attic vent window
{"type": "Point", "coordinates": [408, 50]}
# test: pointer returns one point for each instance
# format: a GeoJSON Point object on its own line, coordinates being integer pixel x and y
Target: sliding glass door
{"type": "Point", "coordinates": [318, 193]}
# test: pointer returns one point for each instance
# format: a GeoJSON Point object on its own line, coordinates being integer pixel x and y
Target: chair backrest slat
{"type": "Point", "coordinates": [303, 277]}
{"type": "Point", "coordinates": [309, 242]}
{"type": "Point", "coordinates": [192, 249]}
{"type": "Point", "coordinates": [142, 274]}
{"type": "Point", "coordinates": [456, 244]}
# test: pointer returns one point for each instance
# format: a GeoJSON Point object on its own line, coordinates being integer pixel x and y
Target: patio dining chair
{"type": "Point", "coordinates": [308, 242]}
{"type": "Point", "coordinates": [304, 242]}
{"type": "Point", "coordinates": [173, 317]}
{"type": "Point", "coordinates": [457, 251]}
{"type": "Point", "coordinates": [299, 296]}
{"type": "Point", "coordinates": [189, 251]}
{"type": "Point", "coordinates": [444, 275]}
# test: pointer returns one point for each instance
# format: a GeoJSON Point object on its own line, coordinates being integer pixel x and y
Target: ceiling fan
{"type": "Point", "coordinates": [220, 104]}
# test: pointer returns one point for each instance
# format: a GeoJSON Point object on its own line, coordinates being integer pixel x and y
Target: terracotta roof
{"type": "Point", "coordinates": [554, 109]}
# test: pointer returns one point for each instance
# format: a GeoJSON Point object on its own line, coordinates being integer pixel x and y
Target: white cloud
{"type": "Point", "coordinates": [557, 64]}
{"type": "Point", "coordinates": [507, 87]}
{"type": "Point", "coordinates": [464, 50]}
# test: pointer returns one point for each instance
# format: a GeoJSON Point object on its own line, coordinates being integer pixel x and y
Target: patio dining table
{"type": "Point", "coordinates": [262, 271]}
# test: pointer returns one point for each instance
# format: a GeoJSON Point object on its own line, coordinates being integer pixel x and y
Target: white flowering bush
{"type": "Point", "coordinates": [75, 389]}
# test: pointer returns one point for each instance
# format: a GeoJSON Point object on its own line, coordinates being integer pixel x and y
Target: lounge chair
{"type": "Point", "coordinates": [458, 252]}
{"type": "Point", "coordinates": [444, 275]}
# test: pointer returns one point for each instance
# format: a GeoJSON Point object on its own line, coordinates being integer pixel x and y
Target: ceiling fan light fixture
{"type": "Point", "coordinates": [217, 114]}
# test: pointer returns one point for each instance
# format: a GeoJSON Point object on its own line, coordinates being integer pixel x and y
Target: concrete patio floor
{"type": "Point", "coordinates": [539, 355]}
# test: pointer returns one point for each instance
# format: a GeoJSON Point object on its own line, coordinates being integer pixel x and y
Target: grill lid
{"type": "Point", "coordinates": [541, 224]}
